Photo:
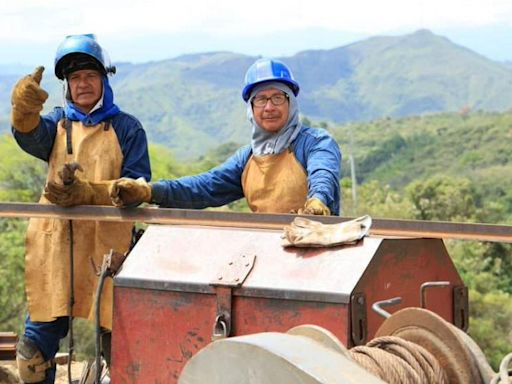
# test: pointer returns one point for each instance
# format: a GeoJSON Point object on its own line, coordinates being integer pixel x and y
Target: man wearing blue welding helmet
{"type": "Point", "coordinates": [287, 168]}
{"type": "Point", "coordinates": [63, 257]}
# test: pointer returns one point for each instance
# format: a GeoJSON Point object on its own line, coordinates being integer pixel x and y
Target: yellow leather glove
{"type": "Point", "coordinates": [27, 101]}
{"type": "Point", "coordinates": [75, 191]}
{"type": "Point", "coordinates": [125, 192]}
{"type": "Point", "coordinates": [314, 206]}
{"type": "Point", "coordinates": [80, 192]}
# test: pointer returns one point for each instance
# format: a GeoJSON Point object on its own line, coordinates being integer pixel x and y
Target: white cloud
{"type": "Point", "coordinates": [36, 20]}
{"type": "Point", "coordinates": [38, 27]}
{"type": "Point", "coordinates": [380, 16]}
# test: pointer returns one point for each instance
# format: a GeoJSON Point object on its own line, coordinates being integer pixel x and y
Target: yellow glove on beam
{"type": "Point", "coordinates": [314, 206]}
{"type": "Point", "coordinates": [125, 192]}
{"type": "Point", "coordinates": [27, 101]}
{"type": "Point", "coordinates": [303, 232]}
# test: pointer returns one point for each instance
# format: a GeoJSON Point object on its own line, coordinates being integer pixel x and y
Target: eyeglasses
{"type": "Point", "coordinates": [276, 100]}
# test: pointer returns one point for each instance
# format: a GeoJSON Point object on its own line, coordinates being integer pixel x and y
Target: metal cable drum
{"type": "Point", "coordinates": [440, 338]}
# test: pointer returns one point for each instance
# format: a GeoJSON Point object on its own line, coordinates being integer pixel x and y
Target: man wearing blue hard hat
{"type": "Point", "coordinates": [91, 135]}
{"type": "Point", "coordinates": [287, 168]}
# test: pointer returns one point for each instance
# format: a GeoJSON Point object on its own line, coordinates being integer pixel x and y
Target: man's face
{"type": "Point", "coordinates": [270, 117]}
{"type": "Point", "coordinates": [86, 88]}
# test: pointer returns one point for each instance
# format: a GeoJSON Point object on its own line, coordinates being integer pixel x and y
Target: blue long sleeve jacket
{"type": "Point", "coordinates": [314, 148]}
{"type": "Point", "coordinates": [129, 131]}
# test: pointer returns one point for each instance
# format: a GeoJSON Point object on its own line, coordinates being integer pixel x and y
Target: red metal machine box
{"type": "Point", "coordinates": [181, 285]}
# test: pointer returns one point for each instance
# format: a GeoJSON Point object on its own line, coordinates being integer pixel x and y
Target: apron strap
{"type": "Point", "coordinates": [69, 145]}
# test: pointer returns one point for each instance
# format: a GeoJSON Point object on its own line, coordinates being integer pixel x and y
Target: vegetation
{"type": "Point", "coordinates": [192, 103]}
{"type": "Point", "coordinates": [21, 179]}
{"type": "Point", "coordinates": [468, 153]}
{"type": "Point", "coordinates": [448, 167]}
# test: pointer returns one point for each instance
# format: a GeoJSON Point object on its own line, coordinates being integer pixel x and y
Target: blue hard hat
{"type": "Point", "coordinates": [268, 70]}
{"type": "Point", "coordinates": [81, 52]}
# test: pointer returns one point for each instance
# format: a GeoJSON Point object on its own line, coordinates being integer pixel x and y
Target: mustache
{"type": "Point", "coordinates": [271, 116]}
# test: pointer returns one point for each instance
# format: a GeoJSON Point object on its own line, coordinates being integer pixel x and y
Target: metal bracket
{"type": "Point", "coordinates": [427, 285]}
{"type": "Point", "coordinates": [358, 319]}
{"type": "Point", "coordinates": [384, 303]}
{"type": "Point", "coordinates": [461, 307]}
{"type": "Point", "coordinates": [231, 276]}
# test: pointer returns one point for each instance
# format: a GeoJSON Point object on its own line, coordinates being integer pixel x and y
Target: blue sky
{"type": "Point", "coordinates": [152, 30]}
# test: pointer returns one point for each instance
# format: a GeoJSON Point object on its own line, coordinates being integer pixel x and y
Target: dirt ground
{"type": "Point", "coordinates": [9, 374]}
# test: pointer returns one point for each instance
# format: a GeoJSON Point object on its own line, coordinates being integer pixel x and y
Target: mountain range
{"type": "Point", "coordinates": [193, 103]}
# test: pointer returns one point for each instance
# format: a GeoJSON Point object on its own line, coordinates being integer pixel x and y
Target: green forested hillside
{"type": "Point", "coordinates": [470, 146]}
{"type": "Point", "coordinates": [192, 103]}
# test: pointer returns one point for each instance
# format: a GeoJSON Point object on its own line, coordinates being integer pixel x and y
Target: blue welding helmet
{"type": "Point", "coordinates": [81, 52]}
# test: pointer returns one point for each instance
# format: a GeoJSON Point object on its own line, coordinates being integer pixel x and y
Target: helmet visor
{"type": "Point", "coordinates": [79, 61]}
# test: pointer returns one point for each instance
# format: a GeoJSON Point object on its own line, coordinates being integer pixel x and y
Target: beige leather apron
{"type": "Point", "coordinates": [275, 183]}
{"type": "Point", "coordinates": [47, 260]}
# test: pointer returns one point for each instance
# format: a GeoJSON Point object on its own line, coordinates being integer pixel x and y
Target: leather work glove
{"type": "Point", "coordinates": [125, 192]}
{"type": "Point", "coordinates": [308, 233]}
{"type": "Point", "coordinates": [27, 101]}
{"type": "Point", "coordinates": [76, 191]}
{"type": "Point", "coordinates": [314, 206]}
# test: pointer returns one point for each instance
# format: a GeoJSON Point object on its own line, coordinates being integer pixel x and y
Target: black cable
{"type": "Point", "coordinates": [99, 289]}
{"type": "Point", "coordinates": [71, 300]}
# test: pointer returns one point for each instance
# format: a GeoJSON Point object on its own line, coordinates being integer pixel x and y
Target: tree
{"type": "Point", "coordinates": [22, 176]}
{"type": "Point", "coordinates": [21, 179]}
{"type": "Point", "coordinates": [485, 270]}
{"type": "Point", "coordinates": [376, 200]}
{"type": "Point", "coordinates": [443, 198]}
{"type": "Point", "coordinates": [380, 155]}
{"type": "Point", "coordinates": [163, 163]}
{"type": "Point", "coordinates": [12, 291]}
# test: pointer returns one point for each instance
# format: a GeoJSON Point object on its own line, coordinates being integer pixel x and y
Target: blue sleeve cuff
{"type": "Point", "coordinates": [157, 192]}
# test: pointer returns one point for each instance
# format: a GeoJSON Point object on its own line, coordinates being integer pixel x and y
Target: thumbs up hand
{"type": "Point", "coordinates": [27, 101]}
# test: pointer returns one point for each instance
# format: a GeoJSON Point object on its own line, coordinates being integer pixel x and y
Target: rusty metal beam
{"type": "Point", "coordinates": [380, 227]}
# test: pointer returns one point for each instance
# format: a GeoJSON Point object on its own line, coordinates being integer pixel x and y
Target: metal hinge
{"type": "Point", "coordinates": [358, 319]}
{"type": "Point", "coordinates": [232, 275]}
{"type": "Point", "coordinates": [461, 307]}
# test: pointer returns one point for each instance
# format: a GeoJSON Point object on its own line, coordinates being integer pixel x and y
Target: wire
{"type": "Point", "coordinates": [101, 282]}
{"type": "Point", "coordinates": [397, 361]}
{"type": "Point", "coordinates": [71, 345]}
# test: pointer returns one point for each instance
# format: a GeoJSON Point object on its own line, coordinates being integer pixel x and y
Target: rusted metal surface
{"type": "Point", "coordinates": [188, 259]}
{"type": "Point", "coordinates": [8, 342]}
{"type": "Point", "coordinates": [380, 227]}
{"type": "Point", "coordinates": [165, 305]}
{"type": "Point", "coordinates": [156, 332]}
{"type": "Point", "coordinates": [398, 269]}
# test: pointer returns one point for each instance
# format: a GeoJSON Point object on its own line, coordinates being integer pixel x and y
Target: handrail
{"type": "Point", "coordinates": [380, 227]}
